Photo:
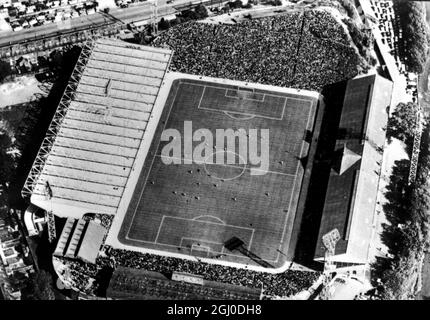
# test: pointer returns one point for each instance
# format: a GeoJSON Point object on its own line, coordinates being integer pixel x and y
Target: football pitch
{"type": "Point", "coordinates": [195, 207]}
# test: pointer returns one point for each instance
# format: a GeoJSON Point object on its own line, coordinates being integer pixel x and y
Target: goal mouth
{"type": "Point", "coordinates": [244, 94]}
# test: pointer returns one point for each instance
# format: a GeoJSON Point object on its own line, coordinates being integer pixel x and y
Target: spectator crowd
{"type": "Point", "coordinates": [86, 277]}
{"type": "Point", "coordinates": [283, 284]}
{"type": "Point", "coordinates": [305, 50]}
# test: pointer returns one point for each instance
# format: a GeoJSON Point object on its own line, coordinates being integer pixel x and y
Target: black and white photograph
{"type": "Point", "coordinates": [193, 152]}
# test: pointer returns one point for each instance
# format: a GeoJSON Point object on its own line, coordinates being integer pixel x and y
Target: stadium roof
{"type": "Point", "coordinates": [346, 159]}
{"type": "Point", "coordinates": [89, 152]}
{"type": "Point", "coordinates": [63, 242]}
{"type": "Point", "coordinates": [351, 197]}
{"type": "Point", "coordinates": [80, 239]}
{"type": "Point", "coordinates": [91, 242]}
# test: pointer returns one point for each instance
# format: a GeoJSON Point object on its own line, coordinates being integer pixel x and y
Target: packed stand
{"type": "Point", "coordinates": [325, 55]}
{"type": "Point", "coordinates": [283, 284]}
{"type": "Point", "coordinates": [86, 277]}
{"type": "Point", "coordinates": [303, 50]}
{"type": "Point", "coordinates": [103, 219]}
{"type": "Point", "coordinates": [145, 284]}
{"type": "Point", "coordinates": [384, 12]}
{"type": "Point", "coordinates": [82, 276]}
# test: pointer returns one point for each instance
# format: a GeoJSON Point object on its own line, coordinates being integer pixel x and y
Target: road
{"type": "Point", "coordinates": [127, 15]}
{"type": "Point", "coordinates": [424, 89]}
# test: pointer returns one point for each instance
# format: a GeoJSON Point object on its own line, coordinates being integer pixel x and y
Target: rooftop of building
{"type": "Point", "coordinates": [352, 188]}
{"type": "Point", "coordinates": [90, 147]}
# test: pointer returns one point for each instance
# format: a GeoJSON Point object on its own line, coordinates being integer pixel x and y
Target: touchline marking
{"type": "Point", "coordinates": [231, 115]}
{"type": "Point", "coordinates": [292, 193]}
{"type": "Point", "coordinates": [159, 229]}
{"type": "Point", "coordinates": [251, 239]}
{"type": "Point", "coordinates": [152, 162]}
{"type": "Point", "coordinates": [309, 115]}
{"type": "Point", "coordinates": [201, 97]}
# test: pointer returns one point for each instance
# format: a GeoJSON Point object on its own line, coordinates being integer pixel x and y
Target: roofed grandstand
{"type": "Point", "coordinates": [90, 147]}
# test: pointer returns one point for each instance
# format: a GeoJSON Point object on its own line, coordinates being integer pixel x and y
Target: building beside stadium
{"type": "Point", "coordinates": [80, 239]}
{"type": "Point", "coordinates": [102, 155]}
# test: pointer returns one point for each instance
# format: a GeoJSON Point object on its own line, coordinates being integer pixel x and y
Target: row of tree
{"type": "Point", "coordinates": [403, 123]}
{"type": "Point", "coordinates": [413, 31]}
{"type": "Point", "coordinates": [407, 211]}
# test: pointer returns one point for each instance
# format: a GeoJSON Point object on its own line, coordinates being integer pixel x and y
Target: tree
{"type": "Point", "coordinates": [5, 70]}
{"type": "Point", "coordinates": [350, 9]}
{"type": "Point", "coordinates": [413, 32]}
{"type": "Point", "coordinates": [190, 15]}
{"type": "Point", "coordinates": [142, 38]}
{"type": "Point", "coordinates": [277, 3]}
{"type": "Point", "coordinates": [40, 287]}
{"type": "Point", "coordinates": [56, 59]}
{"type": "Point", "coordinates": [407, 232]}
{"type": "Point", "coordinates": [362, 38]}
{"type": "Point", "coordinates": [237, 4]}
{"type": "Point", "coordinates": [403, 122]}
{"type": "Point", "coordinates": [163, 24]}
{"type": "Point", "coordinates": [201, 11]}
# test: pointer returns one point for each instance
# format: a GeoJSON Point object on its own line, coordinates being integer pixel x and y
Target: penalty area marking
{"type": "Point", "coordinates": [242, 91]}
{"type": "Point", "coordinates": [284, 98]}
{"type": "Point", "coordinates": [232, 115]}
{"type": "Point", "coordinates": [198, 241]}
{"type": "Point", "coordinates": [195, 247]}
{"type": "Point", "coordinates": [251, 237]}
{"type": "Point", "coordinates": [210, 216]}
